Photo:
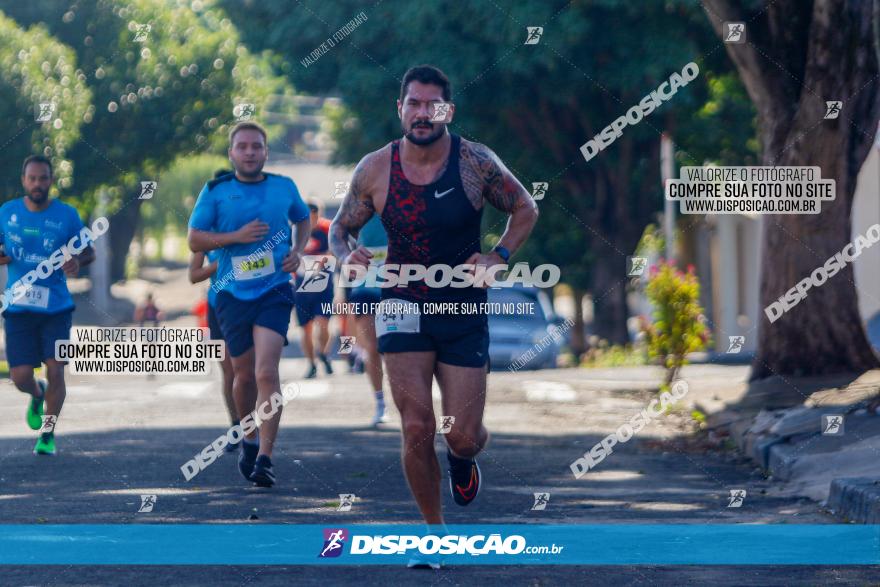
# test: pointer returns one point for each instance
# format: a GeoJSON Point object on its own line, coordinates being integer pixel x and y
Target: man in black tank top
{"type": "Point", "coordinates": [429, 189]}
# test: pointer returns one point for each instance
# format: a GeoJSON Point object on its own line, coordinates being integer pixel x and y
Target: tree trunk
{"type": "Point", "coordinates": [627, 194]}
{"type": "Point", "coordinates": [609, 296]}
{"type": "Point", "coordinates": [123, 226]}
{"type": "Point", "coordinates": [828, 45]}
{"type": "Point", "coordinates": [578, 341]}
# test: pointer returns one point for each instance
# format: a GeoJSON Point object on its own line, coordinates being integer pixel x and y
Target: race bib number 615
{"type": "Point", "coordinates": [36, 296]}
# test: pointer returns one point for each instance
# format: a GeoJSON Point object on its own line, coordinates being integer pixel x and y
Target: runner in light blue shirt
{"type": "Point", "coordinates": [44, 242]}
{"type": "Point", "coordinates": [246, 216]}
{"type": "Point", "coordinates": [364, 299]}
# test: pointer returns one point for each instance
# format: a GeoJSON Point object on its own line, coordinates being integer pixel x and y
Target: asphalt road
{"type": "Point", "coordinates": [121, 437]}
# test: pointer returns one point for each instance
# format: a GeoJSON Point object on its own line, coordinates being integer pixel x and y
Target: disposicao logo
{"type": "Point", "coordinates": [334, 542]}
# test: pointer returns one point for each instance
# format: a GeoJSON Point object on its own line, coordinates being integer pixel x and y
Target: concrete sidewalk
{"type": "Point", "coordinates": [815, 437]}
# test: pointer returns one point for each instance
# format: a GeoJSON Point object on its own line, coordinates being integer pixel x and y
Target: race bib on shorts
{"type": "Point", "coordinates": [36, 296]}
{"type": "Point", "coordinates": [399, 316]}
{"type": "Point", "coordinates": [246, 268]}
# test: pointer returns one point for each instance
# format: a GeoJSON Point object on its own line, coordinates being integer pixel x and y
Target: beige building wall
{"type": "Point", "coordinates": [736, 270]}
{"type": "Point", "coordinates": [866, 212]}
{"type": "Point", "coordinates": [735, 245]}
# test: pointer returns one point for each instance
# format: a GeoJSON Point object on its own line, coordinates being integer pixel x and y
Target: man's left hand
{"type": "Point", "coordinates": [486, 261]}
{"type": "Point", "coordinates": [71, 267]}
{"type": "Point", "coordinates": [291, 262]}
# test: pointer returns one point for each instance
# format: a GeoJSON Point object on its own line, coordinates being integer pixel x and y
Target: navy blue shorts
{"type": "Point", "coordinates": [366, 299]}
{"type": "Point", "coordinates": [460, 340]}
{"type": "Point", "coordinates": [310, 305]}
{"type": "Point", "coordinates": [213, 324]}
{"type": "Point", "coordinates": [237, 318]}
{"type": "Point", "coordinates": [31, 336]}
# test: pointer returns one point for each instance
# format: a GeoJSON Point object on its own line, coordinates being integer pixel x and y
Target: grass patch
{"type": "Point", "coordinates": [604, 356]}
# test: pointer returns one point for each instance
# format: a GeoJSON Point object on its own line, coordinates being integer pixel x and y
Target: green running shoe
{"type": "Point", "coordinates": [45, 444]}
{"type": "Point", "coordinates": [35, 408]}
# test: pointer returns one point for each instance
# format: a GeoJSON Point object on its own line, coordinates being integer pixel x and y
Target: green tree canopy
{"type": "Point", "coordinates": [159, 93]}
{"type": "Point", "coordinates": [35, 68]}
{"type": "Point", "coordinates": [535, 105]}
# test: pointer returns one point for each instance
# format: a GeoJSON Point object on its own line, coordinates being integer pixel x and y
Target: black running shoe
{"type": "Point", "coordinates": [421, 561]}
{"type": "Point", "coordinates": [328, 368]}
{"type": "Point", "coordinates": [312, 372]}
{"type": "Point", "coordinates": [233, 446]}
{"type": "Point", "coordinates": [247, 458]}
{"type": "Point", "coordinates": [263, 476]}
{"type": "Point", "coordinates": [464, 479]}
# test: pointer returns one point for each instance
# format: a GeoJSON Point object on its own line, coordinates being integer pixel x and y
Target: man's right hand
{"type": "Point", "coordinates": [360, 256]}
{"type": "Point", "coordinates": [4, 260]}
{"type": "Point", "coordinates": [251, 232]}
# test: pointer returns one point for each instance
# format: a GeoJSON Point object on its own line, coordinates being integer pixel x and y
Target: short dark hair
{"type": "Point", "coordinates": [426, 74]}
{"type": "Point", "coordinates": [36, 159]}
{"type": "Point", "coordinates": [247, 125]}
{"type": "Point", "coordinates": [313, 206]}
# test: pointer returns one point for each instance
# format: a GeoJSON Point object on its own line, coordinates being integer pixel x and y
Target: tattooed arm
{"type": "Point", "coordinates": [485, 176]}
{"type": "Point", "coordinates": [356, 210]}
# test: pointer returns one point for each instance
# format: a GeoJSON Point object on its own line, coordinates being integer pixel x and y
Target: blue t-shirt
{"type": "Point", "coordinates": [31, 238]}
{"type": "Point", "coordinates": [373, 236]}
{"type": "Point", "coordinates": [212, 291]}
{"type": "Point", "coordinates": [247, 271]}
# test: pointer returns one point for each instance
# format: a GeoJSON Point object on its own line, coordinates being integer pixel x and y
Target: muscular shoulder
{"type": "Point", "coordinates": [364, 196]}
{"type": "Point", "coordinates": [480, 167]}
{"type": "Point", "coordinates": [484, 175]}
{"type": "Point", "coordinates": [478, 156]}
{"type": "Point", "coordinates": [372, 169]}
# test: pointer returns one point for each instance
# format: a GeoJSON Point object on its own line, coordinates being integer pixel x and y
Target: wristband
{"type": "Point", "coordinates": [502, 252]}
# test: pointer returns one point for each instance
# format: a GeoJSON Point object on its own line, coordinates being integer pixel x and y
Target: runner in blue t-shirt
{"type": "Point", "coordinates": [247, 217]}
{"type": "Point", "coordinates": [373, 239]}
{"type": "Point", "coordinates": [44, 242]}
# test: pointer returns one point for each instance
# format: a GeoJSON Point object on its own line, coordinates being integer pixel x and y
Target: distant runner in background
{"type": "Point", "coordinates": [148, 312]}
{"type": "Point", "coordinates": [312, 303]}
{"type": "Point", "coordinates": [372, 240]}
{"type": "Point", "coordinates": [199, 272]}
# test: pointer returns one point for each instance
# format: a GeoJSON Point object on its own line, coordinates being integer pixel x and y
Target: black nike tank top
{"type": "Point", "coordinates": [432, 224]}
